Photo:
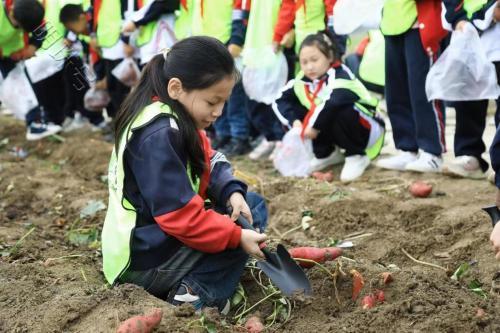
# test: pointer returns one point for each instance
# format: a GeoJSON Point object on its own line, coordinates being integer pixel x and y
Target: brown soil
{"type": "Point", "coordinates": [47, 190]}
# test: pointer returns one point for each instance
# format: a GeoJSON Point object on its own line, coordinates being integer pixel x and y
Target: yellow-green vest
{"type": "Point", "coordinates": [184, 20]}
{"type": "Point", "coordinates": [11, 38]}
{"type": "Point", "coordinates": [110, 23]}
{"type": "Point", "coordinates": [309, 19]}
{"type": "Point", "coordinates": [121, 216]}
{"type": "Point", "coordinates": [216, 20]}
{"type": "Point", "coordinates": [259, 35]}
{"type": "Point", "coordinates": [372, 67]}
{"type": "Point", "coordinates": [146, 32]}
{"type": "Point", "coordinates": [472, 6]}
{"type": "Point", "coordinates": [398, 16]}
{"type": "Point", "coordinates": [367, 104]}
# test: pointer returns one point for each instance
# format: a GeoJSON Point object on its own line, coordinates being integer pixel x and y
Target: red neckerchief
{"type": "Point", "coordinates": [312, 108]}
{"type": "Point", "coordinates": [184, 4]}
{"type": "Point", "coordinates": [205, 177]}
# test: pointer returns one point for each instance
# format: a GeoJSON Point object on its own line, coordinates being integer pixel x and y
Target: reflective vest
{"type": "Point", "coordinates": [121, 216]}
{"type": "Point", "coordinates": [11, 38]}
{"type": "Point", "coordinates": [213, 18]}
{"type": "Point", "coordinates": [259, 35]}
{"type": "Point", "coordinates": [398, 16]}
{"type": "Point", "coordinates": [472, 6]}
{"type": "Point", "coordinates": [366, 104]}
{"type": "Point", "coordinates": [184, 19]}
{"type": "Point", "coordinates": [372, 67]}
{"type": "Point", "coordinates": [309, 19]}
{"type": "Point", "coordinates": [146, 32]}
{"type": "Point", "coordinates": [109, 23]}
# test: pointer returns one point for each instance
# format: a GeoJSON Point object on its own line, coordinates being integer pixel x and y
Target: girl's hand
{"type": "Point", "coordinates": [239, 206]}
{"type": "Point", "coordinates": [129, 27]}
{"type": "Point", "coordinates": [288, 39]}
{"type": "Point", "coordinates": [297, 123]}
{"type": "Point", "coordinates": [235, 50]}
{"type": "Point", "coordinates": [311, 133]}
{"type": "Point", "coordinates": [250, 241]}
{"type": "Point", "coordinates": [495, 240]}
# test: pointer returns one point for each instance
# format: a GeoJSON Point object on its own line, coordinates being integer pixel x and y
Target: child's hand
{"type": "Point", "coordinates": [239, 206]}
{"type": "Point", "coordinates": [93, 43]}
{"type": "Point", "coordinates": [288, 39]}
{"type": "Point", "coordinates": [129, 50]}
{"type": "Point", "coordinates": [250, 241]}
{"type": "Point", "coordinates": [495, 240]}
{"type": "Point", "coordinates": [101, 84]}
{"type": "Point", "coordinates": [460, 25]}
{"type": "Point", "coordinates": [297, 123]}
{"type": "Point", "coordinates": [129, 27]}
{"type": "Point", "coordinates": [235, 50]}
{"type": "Point", "coordinates": [311, 133]}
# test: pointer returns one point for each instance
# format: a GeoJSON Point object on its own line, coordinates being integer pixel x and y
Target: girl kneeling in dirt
{"type": "Point", "coordinates": [158, 233]}
{"type": "Point", "coordinates": [333, 108]}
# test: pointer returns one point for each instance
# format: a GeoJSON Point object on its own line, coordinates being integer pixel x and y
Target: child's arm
{"type": "Point", "coordinates": [153, 13]}
{"type": "Point", "coordinates": [287, 106]}
{"type": "Point", "coordinates": [155, 161]}
{"type": "Point", "coordinates": [285, 20]}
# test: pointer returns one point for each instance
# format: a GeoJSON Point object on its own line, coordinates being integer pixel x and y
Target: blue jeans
{"type": "Point", "coordinates": [234, 121]}
{"type": "Point", "coordinates": [213, 277]}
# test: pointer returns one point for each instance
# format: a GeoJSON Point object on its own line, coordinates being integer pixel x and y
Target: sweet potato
{"type": "Point", "coordinates": [420, 189]}
{"type": "Point", "coordinates": [380, 296]}
{"type": "Point", "coordinates": [357, 283]}
{"type": "Point", "coordinates": [368, 302]}
{"type": "Point", "coordinates": [141, 324]}
{"type": "Point", "coordinates": [319, 255]}
{"type": "Point", "coordinates": [386, 277]}
{"type": "Point", "coordinates": [323, 176]}
{"type": "Point", "coordinates": [254, 325]}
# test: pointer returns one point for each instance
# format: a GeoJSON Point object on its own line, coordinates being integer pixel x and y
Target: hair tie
{"type": "Point", "coordinates": [165, 52]}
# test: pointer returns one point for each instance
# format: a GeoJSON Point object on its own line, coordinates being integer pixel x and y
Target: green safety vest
{"type": "Point", "coordinates": [146, 32]}
{"type": "Point", "coordinates": [216, 19]}
{"type": "Point", "coordinates": [121, 216]}
{"type": "Point", "coordinates": [11, 38]}
{"type": "Point", "coordinates": [259, 35]}
{"type": "Point", "coordinates": [110, 23]}
{"type": "Point", "coordinates": [472, 6]}
{"type": "Point", "coordinates": [367, 104]}
{"type": "Point", "coordinates": [309, 19]}
{"type": "Point", "coordinates": [53, 42]}
{"type": "Point", "coordinates": [184, 20]}
{"type": "Point", "coordinates": [372, 67]}
{"type": "Point", "coordinates": [398, 16]}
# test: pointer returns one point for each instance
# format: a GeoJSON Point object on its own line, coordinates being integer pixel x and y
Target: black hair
{"type": "Point", "coordinates": [70, 13]}
{"type": "Point", "coordinates": [28, 14]}
{"type": "Point", "coordinates": [198, 62]}
{"type": "Point", "coordinates": [325, 42]}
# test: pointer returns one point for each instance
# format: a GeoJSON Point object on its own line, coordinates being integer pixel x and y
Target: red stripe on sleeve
{"type": "Point", "coordinates": [285, 20]}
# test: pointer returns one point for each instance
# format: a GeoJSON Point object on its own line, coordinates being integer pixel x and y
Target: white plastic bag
{"type": "Point", "coordinates": [462, 72]}
{"type": "Point", "coordinates": [294, 154]}
{"type": "Point", "coordinates": [96, 99]}
{"type": "Point", "coordinates": [127, 72]}
{"type": "Point", "coordinates": [16, 92]}
{"type": "Point", "coordinates": [262, 84]}
{"type": "Point", "coordinates": [351, 15]}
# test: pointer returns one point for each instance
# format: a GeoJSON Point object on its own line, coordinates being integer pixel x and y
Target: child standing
{"type": "Point", "coordinates": [158, 232]}
{"type": "Point", "coordinates": [333, 108]}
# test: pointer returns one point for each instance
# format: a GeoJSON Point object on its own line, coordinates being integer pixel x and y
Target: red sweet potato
{"type": "Point", "coordinates": [323, 176]}
{"type": "Point", "coordinates": [420, 189]}
{"type": "Point", "coordinates": [141, 324]}
{"type": "Point", "coordinates": [386, 277]}
{"type": "Point", "coordinates": [357, 283]}
{"type": "Point", "coordinates": [380, 296]}
{"type": "Point", "coordinates": [319, 255]}
{"type": "Point", "coordinates": [254, 325]}
{"type": "Point", "coordinates": [368, 302]}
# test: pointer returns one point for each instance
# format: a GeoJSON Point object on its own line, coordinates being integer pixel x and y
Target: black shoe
{"type": "Point", "coordinates": [237, 147]}
{"type": "Point", "coordinates": [220, 142]}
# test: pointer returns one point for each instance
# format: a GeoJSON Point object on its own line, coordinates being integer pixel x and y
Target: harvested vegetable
{"type": "Point", "coordinates": [318, 255]}
{"type": "Point", "coordinates": [368, 302]}
{"type": "Point", "coordinates": [254, 325]}
{"type": "Point", "coordinates": [357, 283]}
{"type": "Point", "coordinates": [380, 296]}
{"type": "Point", "coordinates": [141, 324]}
{"type": "Point", "coordinates": [420, 189]}
{"type": "Point", "coordinates": [323, 176]}
{"type": "Point", "coordinates": [386, 277]}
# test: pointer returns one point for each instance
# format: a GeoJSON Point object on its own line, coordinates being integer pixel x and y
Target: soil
{"type": "Point", "coordinates": [50, 282]}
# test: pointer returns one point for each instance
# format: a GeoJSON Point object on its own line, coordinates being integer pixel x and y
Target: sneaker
{"type": "Point", "coordinates": [354, 167]}
{"type": "Point", "coordinates": [185, 294]}
{"type": "Point", "coordinates": [75, 123]}
{"type": "Point", "coordinates": [101, 127]}
{"type": "Point", "coordinates": [426, 162]}
{"type": "Point", "coordinates": [317, 164]}
{"type": "Point", "coordinates": [37, 131]}
{"type": "Point", "coordinates": [467, 167]}
{"type": "Point", "coordinates": [397, 162]}
{"type": "Point", "coordinates": [262, 150]}
{"type": "Point", "coordinates": [237, 147]}
{"type": "Point", "coordinates": [220, 142]}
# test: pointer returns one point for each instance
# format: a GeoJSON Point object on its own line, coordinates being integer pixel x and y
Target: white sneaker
{"type": "Point", "coordinates": [426, 163]}
{"type": "Point", "coordinates": [397, 162]}
{"type": "Point", "coordinates": [78, 122]}
{"type": "Point", "coordinates": [354, 167]}
{"type": "Point", "coordinates": [467, 167]}
{"type": "Point", "coordinates": [37, 131]}
{"type": "Point", "coordinates": [264, 149]}
{"type": "Point", "coordinates": [317, 164]}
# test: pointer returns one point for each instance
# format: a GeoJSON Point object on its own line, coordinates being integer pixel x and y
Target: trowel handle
{"type": "Point", "coordinates": [493, 212]}
{"type": "Point", "coordinates": [243, 222]}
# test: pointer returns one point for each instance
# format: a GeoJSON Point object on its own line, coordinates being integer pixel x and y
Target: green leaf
{"type": "Point", "coordinates": [460, 272]}
{"type": "Point", "coordinates": [307, 213]}
{"type": "Point", "coordinates": [211, 328]}
{"type": "Point", "coordinates": [334, 242]}
{"type": "Point", "coordinates": [238, 296]}
{"type": "Point", "coordinates": [83, 236]}
{"type": "Point", "coordinates": [475, 287]}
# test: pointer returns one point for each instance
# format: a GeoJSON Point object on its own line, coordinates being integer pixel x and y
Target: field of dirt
{"type": "Point", "coordinates": [50, 263]}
